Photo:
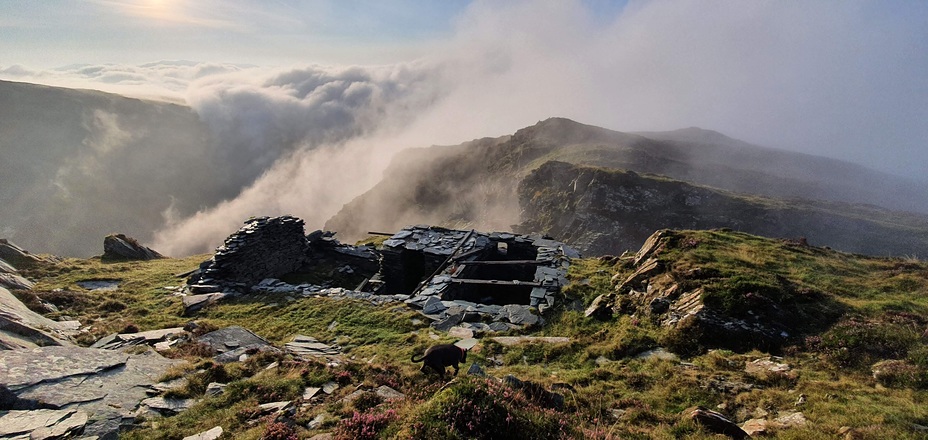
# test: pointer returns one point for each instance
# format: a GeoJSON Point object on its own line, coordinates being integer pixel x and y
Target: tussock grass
{"type": "Point", "coordinates": [876, 309]}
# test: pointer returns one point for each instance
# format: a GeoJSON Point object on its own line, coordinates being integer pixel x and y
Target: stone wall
{"type": "Point", "coordinates": [263, 248]}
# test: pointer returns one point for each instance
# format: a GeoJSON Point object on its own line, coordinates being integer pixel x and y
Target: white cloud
{"type": "Point", "coordinates": [845, 79]}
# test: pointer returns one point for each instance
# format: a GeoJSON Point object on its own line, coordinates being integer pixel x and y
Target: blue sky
{"type": "Point", "coordinates": [52, 33]}
{"type": "Point", "coordinates": [56, 32]}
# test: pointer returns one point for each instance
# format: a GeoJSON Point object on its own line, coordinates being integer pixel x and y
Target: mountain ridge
{"type": "Point", "coordinates": [456, 185]}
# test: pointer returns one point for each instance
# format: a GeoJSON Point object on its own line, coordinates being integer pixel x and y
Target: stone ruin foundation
{"type": "Point", "coordinates": [456, 275]}
{"type": "Point", "coordinates": [474, 267]}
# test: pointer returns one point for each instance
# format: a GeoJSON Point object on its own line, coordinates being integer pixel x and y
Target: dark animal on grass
{"type": "Point", "coordinates": [440, 356]}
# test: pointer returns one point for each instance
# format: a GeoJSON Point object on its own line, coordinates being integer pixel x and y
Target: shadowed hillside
{"type": "Point", "coordinates": [76, 165]}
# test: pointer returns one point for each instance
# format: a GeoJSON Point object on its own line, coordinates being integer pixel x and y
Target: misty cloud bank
{"type": "Point", "coordinates": [844, 79]}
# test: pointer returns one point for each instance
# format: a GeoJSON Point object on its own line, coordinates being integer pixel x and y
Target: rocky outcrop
{"type": "Point", "coordinates": [17, 256]}
{"type": "Point", "coordinates": [121, 247]}
{"type": "Point", "coordinates": [603, 211]}
{"type": "Point", "coordinates": [106, 386]}
{"type": "Point", "coordinates": [700, 311]}
{"type": "Point", "coordinates": [266, 247]}
{"type": "Point", "coordinates": [23, 328]}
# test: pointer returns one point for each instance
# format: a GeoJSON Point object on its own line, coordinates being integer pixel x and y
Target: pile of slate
{"type": "Point", "coordinates": [479, 318]}
{"type": "Point", "coordinates": [160, 339]}
{"type": "Point", "coordinates": [324, 247]}
{"type": "Point", "coordinates": [307, 347]}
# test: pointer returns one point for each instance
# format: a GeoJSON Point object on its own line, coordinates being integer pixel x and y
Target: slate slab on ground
{"type": "Point", "coordinates": [107, 385]}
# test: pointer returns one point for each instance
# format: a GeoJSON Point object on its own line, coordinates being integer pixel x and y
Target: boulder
{"type": "Point", "coordinates": [121, 247]}
{"type": "Point", "coordinates": [193, 303]}
{"type": "Point", "coordinates": [518, 314]}
{"type": "Point", "coordinates": [754, 427]}
{"type": "Point", "coordinates": [388, 393]}
{"type": "Point", "coordinates": [461, 332]}
{"type": "Point", "coordinates": [476, 370]}
{"type": "Point", "coordinates": [151, 337]}
{"type": "Point", "coordinates": [601, 307]}
{"type": "Point", "coordinates": [450, 321]}
{"type": "Point", "coordinates": [232, 342]}
{"type": "Point", "coordinates": [715, 422]}
{"type": "Point", "coordinates": [759, 367]}
{"type": "Point", "coordinates": [214, 389]}
{"type": "Point", "coordinates": [791, 420]}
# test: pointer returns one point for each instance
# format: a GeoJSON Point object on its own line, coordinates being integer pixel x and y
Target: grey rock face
{"type": "Point", "coordinates": [166, 406]}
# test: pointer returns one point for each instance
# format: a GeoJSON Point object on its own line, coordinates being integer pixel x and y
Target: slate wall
{"type": "Point", "coordinates": [263, 248]}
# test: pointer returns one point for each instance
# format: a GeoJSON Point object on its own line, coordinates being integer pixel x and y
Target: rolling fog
{"type": "Point", "coordinates": [843, 79]}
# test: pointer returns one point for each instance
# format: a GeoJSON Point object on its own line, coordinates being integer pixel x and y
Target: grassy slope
{"type": "Point", "coordinates": [617, 397]}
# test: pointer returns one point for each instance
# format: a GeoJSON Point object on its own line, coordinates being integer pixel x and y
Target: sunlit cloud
{"type": "Point", "coordinates": [169, 12]}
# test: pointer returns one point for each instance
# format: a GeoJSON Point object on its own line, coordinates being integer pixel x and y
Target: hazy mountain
{"type": "Point", "coordinates": [475, 183]}
{"type": "Point", "coordinates": [76, 165]}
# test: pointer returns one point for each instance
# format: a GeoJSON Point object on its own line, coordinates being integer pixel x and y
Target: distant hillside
{"type": "Point", "coordinates": [475, 184]}
{"type": "Point", "coordinates": [608, 211]}
{"type": "Point", "coordinates": [76, 165]}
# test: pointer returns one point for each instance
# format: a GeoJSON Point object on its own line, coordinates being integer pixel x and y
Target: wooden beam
{"type": "Point", "coordinates": [388, 234]}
